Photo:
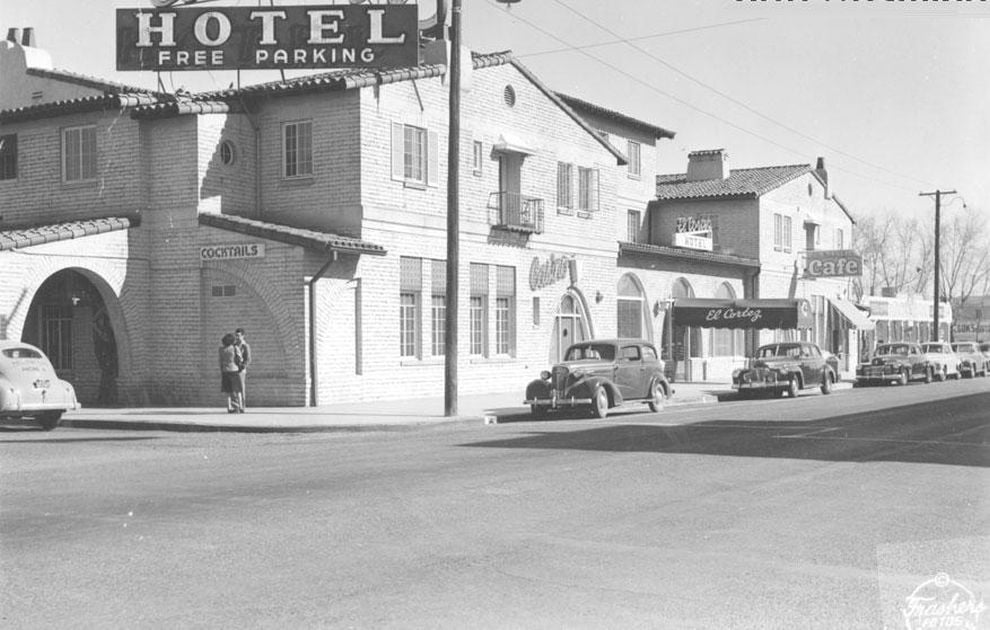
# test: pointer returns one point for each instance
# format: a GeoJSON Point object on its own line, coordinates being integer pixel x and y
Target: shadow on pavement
{"type": "Point", "coordinates": [952, 432]}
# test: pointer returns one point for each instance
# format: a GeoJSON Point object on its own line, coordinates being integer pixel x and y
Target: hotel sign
{"type": "Point", "coordinates": [694, 233]}
{"type": "Point", "coordinates": [833, 263]}
{"type": "Point", "coordinates": [230, 251]}
{"type": "Point", "coordinates": [268, 38]}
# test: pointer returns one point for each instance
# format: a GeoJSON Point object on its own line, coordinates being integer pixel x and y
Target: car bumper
{"type": "Point", "coordinates": [557, 403]}
{"type": "Point", "coordinates": [758, 385]}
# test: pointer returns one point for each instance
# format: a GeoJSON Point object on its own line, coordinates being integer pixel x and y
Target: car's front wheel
{"type": "Point", "coordinates": [904, 378]}
{"type": "Point", "coordinates": [49, 420]}
{"type": "Point", "coordinates": [928, 375]}
{"type": "Point", "coordinates": [792, 388]}
{"type": "Point", "coordinates": [599, 402]}
{"type": "Point", "coordinates": [657, 396]}
{"type": "Point", "coordinates": [827, 383]}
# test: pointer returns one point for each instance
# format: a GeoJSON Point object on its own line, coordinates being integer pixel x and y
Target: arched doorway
{"type": "Point", "coordinates": [726, 342]}
{"type": "Point", "coordinates": [570, 325]}
{"type": "Point", "coordinates": [680, 343]}
{"type": "Point", "coordinates": [632, 316]}
{"type": "Point", "coordinates": [69, 320]}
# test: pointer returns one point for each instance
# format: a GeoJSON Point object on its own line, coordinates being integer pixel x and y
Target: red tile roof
{"type": "Point", "coordinates": [17, 238]}
{"type": "Point", "coordinates": [310, 239]}
{"type": "Point", "coordinates": [741, 182]}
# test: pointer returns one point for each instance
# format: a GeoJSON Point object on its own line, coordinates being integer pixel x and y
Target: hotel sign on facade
{"type": "Point", "coordinates": [279, 37]}
{"type": "Point", "coordinates": [694, 233]}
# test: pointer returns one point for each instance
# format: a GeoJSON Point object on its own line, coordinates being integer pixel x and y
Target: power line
{"type": "Point", "coordinates": [696, 108]}
{"type": "Point", "coordinates": [731, 99]}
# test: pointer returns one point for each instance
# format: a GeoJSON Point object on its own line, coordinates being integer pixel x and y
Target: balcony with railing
{"type": "Point", "coordinates": [515, 212]}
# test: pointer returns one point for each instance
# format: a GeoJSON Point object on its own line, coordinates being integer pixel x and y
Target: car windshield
{"type": "Point", "coordinates": [21, 353]}
{"type": "Point", "coordinates": [933, 347]}
{"type": "Point", "coordinates": [600, 351]}
{"type": "Point", "coordinates": [895, 348]}
{"type": "Point", "coordinates": [779, 350]}
{"type": "Point", "coordinates": [963, 347]}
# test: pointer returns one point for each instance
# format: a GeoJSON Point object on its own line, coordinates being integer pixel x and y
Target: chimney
{"type": "Point", "coordinates": [13, 34]}
{"type": "Point", "coordinates": [823, 175]}
{"type": "Point", "coordinates": [705, 165]}
{"type": "Point", "coordinates": [27, 39]}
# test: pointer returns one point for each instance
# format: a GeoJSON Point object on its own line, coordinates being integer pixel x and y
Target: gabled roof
{"type": "Point", "coordinates": [741, 182]}
{"type": "Point", "coordinates": [619, 117]}
{"type": "Point", "coordinates": [310, 239]}
{"type": "Point", "coordinates": [17, 238]}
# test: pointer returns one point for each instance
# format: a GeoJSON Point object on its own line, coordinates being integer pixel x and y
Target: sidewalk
{"type": "Point", "coordinates": [393, 415]}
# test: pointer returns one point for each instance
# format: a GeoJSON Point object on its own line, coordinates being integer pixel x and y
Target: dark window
{"type": "Point", "coordinates": [8, 156]}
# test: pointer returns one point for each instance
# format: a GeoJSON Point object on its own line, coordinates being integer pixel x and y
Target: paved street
{"type": "Point", "coordinates": [819, 512]}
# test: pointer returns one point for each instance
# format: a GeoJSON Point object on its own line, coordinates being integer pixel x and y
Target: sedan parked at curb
{"type": "Point", "coordinates": [787, 367]}
{"type": "Point", "coordinates": [599, 375]}
{"type": "Point", "coordinates": [971, 360]}
{"type": "Point", "coordinates": [943, 358]}
{"type": "Point", "coordinates": [29, 388]}
{"type": "Point", "coordinates": [896, 363]}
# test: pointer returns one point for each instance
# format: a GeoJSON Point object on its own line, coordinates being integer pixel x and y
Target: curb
{"type": "Point", "coordinates": [190, 427]}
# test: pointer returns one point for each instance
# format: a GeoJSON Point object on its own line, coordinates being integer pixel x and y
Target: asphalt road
{"type": "Point", "coordinates": [819, 512]}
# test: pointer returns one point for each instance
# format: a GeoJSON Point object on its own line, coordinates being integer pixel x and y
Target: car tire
{"type": "Point", "coordinates": [928, 375]}
{"type": "Point", "coordinates": [657, 397]}
{"type": "Point", "coordinates": [49, 420]}
{"type": "Point", "coordinates": [943, 375]}
{"type": "Point", "coordinates": [538, 411]}
{"type": "Point", "coordinates": [599, 403]}
{"type": "Point", "coordinates": [792, 388]}
{"type": "Point", "coordinates": [827, 383]}
{"type": "Point", "coordinates": [904, 379]}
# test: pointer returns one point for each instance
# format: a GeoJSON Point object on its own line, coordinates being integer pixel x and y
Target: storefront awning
{"type": "Point", "coordinates": [855, 317]}
{"type": "Point", "coordinates": [712, 313]}
{"type": "Point", "coordinates": [510, 143]}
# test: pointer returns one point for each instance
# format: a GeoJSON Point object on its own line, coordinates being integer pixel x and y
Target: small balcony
{"type": "Point", "coordinates": [515, 212]}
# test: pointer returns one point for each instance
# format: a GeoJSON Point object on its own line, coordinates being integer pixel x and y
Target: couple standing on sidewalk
{"type": "Point", "coordinates": [235, 355]}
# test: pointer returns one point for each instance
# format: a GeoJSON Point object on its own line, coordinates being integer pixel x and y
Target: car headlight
{"type": "Point", "coordinates": [736, 372]}
{"type": "Point", "coordinates": [545, 375]}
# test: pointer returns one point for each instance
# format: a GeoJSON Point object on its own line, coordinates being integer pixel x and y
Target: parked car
{"type": "Point", "coordinates": [29, 388]}
{"type": "Point", "coordinates": [787, 367]}
{"type": "Point", "coordinates": [896, 363]}
{"type": "Point", "coordinates": [943, 358]}
{"type": "Point", "coordinates": [971, 360]}
{"type": "Point", "coordinates": [985, 351]}
{"type": "Point", "coordinates": [601, 374]}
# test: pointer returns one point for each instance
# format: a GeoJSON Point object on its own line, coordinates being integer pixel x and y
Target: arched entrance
{"type": "Point", "coordinates": [683, 342]}
{"type": "Point", "coordinates": [632, 315]}
{"type": "Point", "coordinates": [69, 320]}
{"type": "Point", "coordinates": [570, 325]}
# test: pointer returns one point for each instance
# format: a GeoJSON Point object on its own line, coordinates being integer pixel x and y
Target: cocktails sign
{"type": "Point", "coordinates": [279, 38]}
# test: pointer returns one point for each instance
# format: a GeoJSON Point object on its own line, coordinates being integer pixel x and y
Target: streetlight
{"type": "Point", "coordinates": [938, 226]}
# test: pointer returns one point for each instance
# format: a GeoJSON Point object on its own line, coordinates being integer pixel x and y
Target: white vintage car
{"type": "Point", "coordinates": [29, 387]}
{"type": "Point", "coordinates": [943, 358]}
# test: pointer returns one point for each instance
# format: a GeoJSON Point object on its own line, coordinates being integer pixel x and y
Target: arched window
{"type": "Point", "coordinates": [686, 341]}
{"type": "Point", "coordinates": [726, 342]}
{"type": "Point", "coordinates": [631, 315]}
{"type": "Point", "coordinates": [570, 325]}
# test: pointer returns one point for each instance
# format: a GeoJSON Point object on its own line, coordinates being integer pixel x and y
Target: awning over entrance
{"type": "Point", "coordinates": [855, 317]}
{"type": "Point", "coordinates": [712, 313]}
{"type": "Point", "coordinates": [510, 143]}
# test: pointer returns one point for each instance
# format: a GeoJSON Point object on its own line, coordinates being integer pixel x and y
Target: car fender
{"type": "Point", "coordinates": [585, 387]}
{"type": "Point", "coordinates": [9, 401]}
{"type": "Point", "coordinates": [664, 383]}
{"type": "Point", "coordinates": [537, 389]}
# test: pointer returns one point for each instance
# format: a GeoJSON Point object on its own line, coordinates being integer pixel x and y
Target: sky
{"type": "Point", "coordinates": [894, 94]}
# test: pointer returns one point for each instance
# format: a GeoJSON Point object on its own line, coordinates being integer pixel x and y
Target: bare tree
{"type": "Point", "coordinates": [965, 256]}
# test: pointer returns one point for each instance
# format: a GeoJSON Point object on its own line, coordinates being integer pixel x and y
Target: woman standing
{"type": "Point", "coordinates": [230, 382]}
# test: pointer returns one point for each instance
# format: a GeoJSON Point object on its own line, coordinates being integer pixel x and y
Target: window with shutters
{"type": "Point", "coordinates": [297, 149]}
{"type": "Point", "coordinates": [635, 166]}
{"type": "Point", "coordinates": [478, 159]}
{"type": "Point", "coordinates": [410, 290]}
{"type": "Point", "coordinates": [78, 154]}
{"type": "Point", "coordinates": [8, 156]}
{"type": "Point", "coordinates": [587, 190]}
{"type": "Point", "coordinates": [438, 307]}
{"type": "Point", "coordinates": [565, 187]}
{"type": "Point", "coordinates": [415, 155]}
{"type": "Point", "coordinates": [479, 310]}
{"type": "Point", "coordinates": [505, 311]}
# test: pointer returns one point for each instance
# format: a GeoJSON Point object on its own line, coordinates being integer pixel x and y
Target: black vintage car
{"type": "Point", "coordinates": [897, 363]}
{"type": "Point", "coordinates": [601, 374]}
{"type": "Point", "coordinates": [787, 367]}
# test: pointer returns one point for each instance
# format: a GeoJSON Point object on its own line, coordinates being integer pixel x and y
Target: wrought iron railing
{"type": "Point", "coordinates": [517, 212]}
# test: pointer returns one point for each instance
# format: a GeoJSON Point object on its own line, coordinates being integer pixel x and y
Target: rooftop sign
{"type": "Point", "coordinates": [269, 38]}
{"type": "Point", "coordinates": [833, 263]}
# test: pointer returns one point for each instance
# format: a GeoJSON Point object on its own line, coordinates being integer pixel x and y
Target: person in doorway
{"type": "Point", "coordinates": [244, 359]}
{"type": "Point", "coordinates": [230, 370]}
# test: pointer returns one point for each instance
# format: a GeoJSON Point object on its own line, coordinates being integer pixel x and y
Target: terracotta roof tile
{"type": "Point", "coordinates": [311, 239]}
{"type": "Point", "coordinates": [17, 238]}
{"type": "Point", "coordinates": [741, 182]}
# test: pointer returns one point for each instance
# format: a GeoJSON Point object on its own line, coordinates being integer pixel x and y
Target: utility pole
{"type": "Point", "coordinates": [453, 215]}
{"type": "Point", "coordinates": [938, 227]}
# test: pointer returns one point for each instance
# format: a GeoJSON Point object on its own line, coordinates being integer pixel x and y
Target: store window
{"type": "Point", "coordinates": [631, 317]}
{"type": "Point", "coordinates": [297, 149]}
{"type": "Point", "coordinates": [78, 154]}
{"type": "Point", "coordinates": [8, 156]}
{"type": "Point", "coordinates": [410, 291]}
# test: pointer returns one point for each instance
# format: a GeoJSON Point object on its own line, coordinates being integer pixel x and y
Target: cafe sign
{"type": "Point", "coordinates": [547, 271]}
{"type": "Point", "coordinates": [694, 233]}
{"type": "Point", "coordinates": [833, 263]}
{"type": "Point", "coordinates": [265, 38]}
